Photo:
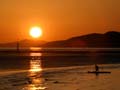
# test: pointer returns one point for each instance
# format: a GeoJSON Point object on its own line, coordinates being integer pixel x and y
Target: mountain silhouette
{"type": "Point", "coordinates": [24, 43]}
{"type": "Point", "coordinates": [109, 39]}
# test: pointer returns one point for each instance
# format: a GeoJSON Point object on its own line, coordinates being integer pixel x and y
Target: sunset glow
{"type": "Point", "coordinates": [35, 32]}
{"type": "Point", "coordinates": [59, 19]}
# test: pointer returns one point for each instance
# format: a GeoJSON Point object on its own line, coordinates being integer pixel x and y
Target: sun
{"type": "Point", "coordinates": [35, 32]}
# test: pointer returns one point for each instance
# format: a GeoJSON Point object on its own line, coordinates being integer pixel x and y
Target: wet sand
{"type": "Point", "coordinates": [65, 78]}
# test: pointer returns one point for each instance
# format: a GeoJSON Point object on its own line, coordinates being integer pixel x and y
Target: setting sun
{"type": "Point", "coordinates": [35, 32]}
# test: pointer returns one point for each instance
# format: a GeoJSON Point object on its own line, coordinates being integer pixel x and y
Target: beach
{"type": "Point", "coordinates": [65, 78]}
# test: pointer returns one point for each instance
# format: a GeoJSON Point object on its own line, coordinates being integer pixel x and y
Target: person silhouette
{"type": "Point", "coordinates": [96, 68]}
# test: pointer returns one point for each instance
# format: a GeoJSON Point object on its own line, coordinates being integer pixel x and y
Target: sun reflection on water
{"type": "Point", "coordinates": [35, 66]}
{"type": "Point", "coordinates": [33, 87]}
{"type": "Point", "coordinates": [36, 80]}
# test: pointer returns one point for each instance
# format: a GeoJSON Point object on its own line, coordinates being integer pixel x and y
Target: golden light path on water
{"type": "Point", "coordinates": [35, 63]}
{"type": "Point", "coordinates": [37, 81]}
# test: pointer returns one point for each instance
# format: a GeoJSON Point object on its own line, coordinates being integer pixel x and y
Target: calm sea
{"type": "Point", "coordinates": [59, 68]}
{"type": "Point", "coordinates": [57, 57]}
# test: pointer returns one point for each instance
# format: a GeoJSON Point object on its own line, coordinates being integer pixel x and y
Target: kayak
{"type": "Point", "coordinates": [99, 72]}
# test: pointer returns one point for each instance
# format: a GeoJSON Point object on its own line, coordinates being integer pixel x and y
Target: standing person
{"type": "Point", "coordinates": [96, 68]}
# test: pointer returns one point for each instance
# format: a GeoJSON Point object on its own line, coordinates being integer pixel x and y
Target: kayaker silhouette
{"type": "Point", "coordinates": [97, 71]}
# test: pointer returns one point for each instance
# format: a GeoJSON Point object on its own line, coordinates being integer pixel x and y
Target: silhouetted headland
{"type": "Point", "coordinates": [109, 39]}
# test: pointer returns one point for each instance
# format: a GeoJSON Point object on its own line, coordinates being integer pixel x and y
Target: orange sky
{"type": "Point", "coordinates": [59, 19]}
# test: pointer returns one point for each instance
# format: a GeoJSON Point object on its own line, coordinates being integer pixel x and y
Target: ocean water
{"type": "Point", "coordinates": [59, 69]}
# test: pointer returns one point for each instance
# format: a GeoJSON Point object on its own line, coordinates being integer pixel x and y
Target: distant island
{"type": "Point", "coordinates": [109, 39]}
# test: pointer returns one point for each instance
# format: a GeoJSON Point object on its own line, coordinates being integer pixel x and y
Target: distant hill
{"type": "Point", "coordinates": [24, 43]}
{"type": "Point", "coordinates": [108, 39]}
